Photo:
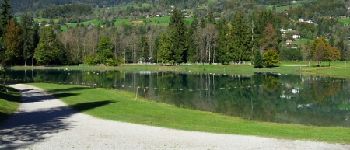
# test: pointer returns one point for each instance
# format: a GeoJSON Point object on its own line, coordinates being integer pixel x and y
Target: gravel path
{"type": "Point", "coordinates": [44, 122]}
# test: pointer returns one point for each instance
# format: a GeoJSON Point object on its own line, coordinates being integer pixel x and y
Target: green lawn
{"type": "Point", "coordinates": [9, 99]}
{"type": "Point", "coordinates": [122, 106]}
{"type": "Point", "coordinates": [337, 69]}
{"type": "Point", "coordinates": [344, 21]}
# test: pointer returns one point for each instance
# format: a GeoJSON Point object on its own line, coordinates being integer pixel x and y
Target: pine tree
{"type": "Point", "coordinates": [5, 15]}
{"type": "Point", "coordinates": [49, 50]}
{"type": "Point", "coordinates": [177, 30]}
{"type": "Point", "coordinates": [105, 52]}
{"type": "Point", "coordinates": [240, 49]}
{"type": "Point", "coordinates": [29, 37]}
{"type": "Point", "coordinates": [223, 54]}
{"type": "Point", "coordinates": [258, 60]}
{"type": "Point", "coordinates": [164, 54]}
{"type": "Point", "coordinates": [192, 44]}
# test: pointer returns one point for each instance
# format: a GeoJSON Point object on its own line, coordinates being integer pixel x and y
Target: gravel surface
{"type": "Point", "coordinates": [44, 122]}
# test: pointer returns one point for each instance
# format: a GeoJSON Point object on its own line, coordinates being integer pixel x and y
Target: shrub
{"type": "Point", "coordinates": [90, 60]}
{"type": "Point", "coordinates": [271, 58]}
{"type": "Point", "coordinates": [258, 60]}
{"type": "Point", "coordinates": [111, 62]}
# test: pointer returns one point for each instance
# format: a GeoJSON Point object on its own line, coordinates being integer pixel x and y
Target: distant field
{"type": "Point", "coordinates": [155, 21]}
{"type": "Point", "coordinates": [344, 21]}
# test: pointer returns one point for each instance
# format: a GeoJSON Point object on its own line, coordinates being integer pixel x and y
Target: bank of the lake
{"type": "Point", "coordinates": [9, 101]}
{"type": "Point", "coordinates": [337, 69]}
{"type": "Point", "coordinates": [124, 107]}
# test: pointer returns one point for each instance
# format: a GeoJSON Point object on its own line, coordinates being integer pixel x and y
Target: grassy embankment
{"type": "Point", "coordinates": [9, 99]}
{"type": "Point", "coordinates": [337, 69]}
{"type": "Point", "coordinates": [122, 106]}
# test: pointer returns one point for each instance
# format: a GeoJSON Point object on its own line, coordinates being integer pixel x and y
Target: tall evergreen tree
{"type": "Point", "coordinates": [5, 15]}
{"type": "Point", "coordinates": [178, 32]}
{"type": "Point", "coordinates": [49, 50]}
{"type": "Point", "coordinates": [164, 54]}
{"type": "Point", "coordinates": [223, 54]}
{"type": "Point", "coordinates": [241, 39]}
{"type": "Point", "coordinates": [105, 52]}
{"type": "Point", "coordinates": [29, 37]}
{"type": "Point", "coordinates": [192, 44]}
{"type": "Point", "coordinates": [258, 60]}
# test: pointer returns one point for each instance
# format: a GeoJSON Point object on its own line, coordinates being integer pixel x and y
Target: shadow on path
{"type": "Point", "coordinates": [26, 128]}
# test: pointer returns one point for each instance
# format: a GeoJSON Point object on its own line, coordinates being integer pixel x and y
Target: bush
{"type": "Point", "coordinates": [90, 60]}
{"type": "Point", "coordinates": [111, 62]}
{"type": "Point", "coordinates": [271, 58]}
{"type": "Point", "coordinates": [258, 60]}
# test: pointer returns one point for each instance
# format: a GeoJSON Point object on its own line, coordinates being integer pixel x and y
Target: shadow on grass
{"type": "Point", "coordinates": [27, 128]}
{"type": "Point", "coordinates": [9, 94]}
{"type": "Point", "coordinates": [68, 89]}
{"type": "Point", "coordinates": [38, 97]}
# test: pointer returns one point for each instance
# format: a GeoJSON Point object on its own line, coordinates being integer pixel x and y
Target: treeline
{"type": "Point", "coordinates": [243, 38]}
{"type": "Point", "coordinates": [66, 11]}
{"type": "Point", "coordinates": [239, 38]}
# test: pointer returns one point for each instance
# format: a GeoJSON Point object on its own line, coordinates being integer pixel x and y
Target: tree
{"type": "Point", "coordinates": [5, 15]}
{"type": "Point", "coordinates": [207, 42]}
{"type": "Point", "coordinates": [177, 30]}
{"type": "Point", "coordinates": [271, 58]}
{"type": "Point", "coordinates": [332, 54]}
{"type": "Point", "coordinates": [269, 38]}
{"type": "Point", "coordinates": [144, 45]}
{"type": "Point", "coordinates": [258, 60]}
{"type": "Point", "coordinates": [30, 37]}
{"type": "Point", "coordinates": [13, 42]}
{"type": "Point", "coordinates": [49, 50]}
{"type": "Point", "coordinates": [241, 39]}
{"type": "Point", "coordinates": [164, 54]}
{"type": "Point", "coordinates": [323, 51]}
{"type": "Point", "coordinates": [105, 53]}
{"type": "Point", "coordinates": [223, 48]}
{"type": "Point", "coordinates": [192, 42]}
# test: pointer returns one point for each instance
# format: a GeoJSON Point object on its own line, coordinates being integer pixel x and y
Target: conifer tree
{"type": "Point", "coordinates": [29, 37]}
{"type": "Point", "coordinates": [49, 50]}
{"type": "Point", "coordinates": [258, 60]}
{"type": "Point", "coordinates": [5, 15]}
{"type": "Point", "coordinates": [177, 30]}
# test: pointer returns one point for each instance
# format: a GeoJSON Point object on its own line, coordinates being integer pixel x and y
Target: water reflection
{"type": "Point", "coordinates": [267, 97]}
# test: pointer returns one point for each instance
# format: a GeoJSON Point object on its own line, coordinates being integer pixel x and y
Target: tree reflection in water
{"type": "Point", "coordinates": [269, 97]}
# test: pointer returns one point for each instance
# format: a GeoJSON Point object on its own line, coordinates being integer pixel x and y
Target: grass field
{"type": "Point", "coordinates": [344, 21]}
{"type": "Point", "coordinates": [337, 69]}
{"type": "Point", "coordinates": [154, 21]}
{"type": "Point", "coordinates": [9, 99]}
{"type": "Point", "coordinates": [122, 106]}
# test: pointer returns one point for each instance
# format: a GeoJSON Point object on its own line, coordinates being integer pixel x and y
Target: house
{"type": "Point", "coordinates": [296, 36]}
{"type": "Point", "coordinates": [289, 42]}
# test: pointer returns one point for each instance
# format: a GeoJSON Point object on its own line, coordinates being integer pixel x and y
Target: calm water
{"type": "Point", "coordinates": [266, 97]}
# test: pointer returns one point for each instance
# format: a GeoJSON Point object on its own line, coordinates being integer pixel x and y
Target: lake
{"type": "Point", "coordinates": [310, 100]}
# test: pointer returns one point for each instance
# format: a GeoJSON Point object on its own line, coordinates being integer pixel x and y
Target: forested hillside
{"type": "Point", "coordinates": [51, 32]}
{"type": "Point", "coordinates": [32, 5]}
